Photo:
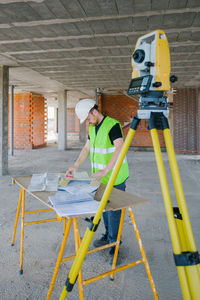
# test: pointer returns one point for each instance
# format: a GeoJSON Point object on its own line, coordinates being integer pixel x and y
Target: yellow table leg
{"type": "Point", "coordinates": [64, 225]}
{"type": "Point", "coordinates": [77, 245]}
{"type": "Point", "coordinates": [59, 258]}
{"type": "Point", "coordinates": [143, 254]}
{"type": "Point", "coordinates": [118, 241]}
{"type": "Point", "coordinates": [17, 217]}
{"type": "Point", "coordinates": [22, 232]}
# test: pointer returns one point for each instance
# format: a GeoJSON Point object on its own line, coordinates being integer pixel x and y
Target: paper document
{"type": "Point", "coordinates": [78, 187]}
{"type": "Point", "coordinates": [52, 180]}
{"type": "Point", "coordinates": [66, 204]}
{"type": "Point", "coordinates": [38, 182]}
{"type": "Point", "coordinates": [81, 175]}
{"type": "Point", "coordinates": [75, 209]}
{"type": "Point", "coordinates": [45, 182]}
{"type": "Point", "coordinates": [62, 198]}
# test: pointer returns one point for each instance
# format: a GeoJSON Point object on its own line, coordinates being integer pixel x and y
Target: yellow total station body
{"type": "Point", "coordinates": [151, 56]}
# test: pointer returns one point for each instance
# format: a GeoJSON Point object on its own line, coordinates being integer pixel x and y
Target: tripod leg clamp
{"type": "Point", "coordinates": [93, 227]}
{"type": "Point", "coordinates": [69, 286]}
{"type": "Point", "coordinates": [158, 121]}
{"type": "Point", "coordinates": [135, 122]}
{"type": "Point", "coordinates": [187, 259]}
{"type": "Point", "coordinates": [177, 214]}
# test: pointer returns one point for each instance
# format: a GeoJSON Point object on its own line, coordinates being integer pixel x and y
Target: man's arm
{"type": "Point", "coordinates": [118, 146]}
{"type": "Point", "coordinates": [82, 157]}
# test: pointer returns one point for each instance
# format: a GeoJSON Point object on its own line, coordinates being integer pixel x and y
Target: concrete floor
{"type": "Point", "coordinates": [42, 241]}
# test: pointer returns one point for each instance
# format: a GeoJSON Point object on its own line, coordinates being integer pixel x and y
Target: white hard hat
{"type": "Point", "coordinates": [83, 107]}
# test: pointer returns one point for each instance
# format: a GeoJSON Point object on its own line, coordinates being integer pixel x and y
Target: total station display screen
{"type": "Point", "coordinates": [136, 82]}
{"type": "Point", "coordinates": [140, 85]}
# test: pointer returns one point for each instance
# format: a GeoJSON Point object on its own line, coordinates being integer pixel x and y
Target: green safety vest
{"type": "Point", "coordinates": [101, 151]}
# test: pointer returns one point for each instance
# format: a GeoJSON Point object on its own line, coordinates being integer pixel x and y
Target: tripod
{"type": "Point", "coordinates": [185, 253]}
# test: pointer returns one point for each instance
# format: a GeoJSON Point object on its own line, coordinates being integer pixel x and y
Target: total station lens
{"type": "Point", "coordinates": [139, 56]}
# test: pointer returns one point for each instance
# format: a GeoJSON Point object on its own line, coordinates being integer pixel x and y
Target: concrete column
{"type": "Point", "coordinates": [4, 84]}
{"type": "Point", "coordinates": [99, 101]}
{"type": "Point", "coordinates": [12, 121]}
{"type": "Point", "coordinates": [62, 120]}
{"type": "Point", "coordinates": [198, 121]}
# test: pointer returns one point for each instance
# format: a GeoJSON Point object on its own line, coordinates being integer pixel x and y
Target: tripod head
{"type": "Point", "coordinates": [151, 71]}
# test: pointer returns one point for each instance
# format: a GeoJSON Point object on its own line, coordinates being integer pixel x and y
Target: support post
{"type": "Point", "coordinates": [12, 121]}
{"type": "Point", "coordinates": [4, 83]}
{"type": "Point", "coordinates": [62, 120]}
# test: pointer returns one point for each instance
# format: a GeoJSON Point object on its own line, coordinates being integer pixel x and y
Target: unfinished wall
{"type": "Point", "coordinates": [187, 120]}
{"type": "Point", "coordinates": [29, 121]}
{"type": "Point", "coordinates": [73, 126]}
{"type": "Point", "coordinates": [123, 108]}
{"type": "Point", "coordinates": [38, 121]}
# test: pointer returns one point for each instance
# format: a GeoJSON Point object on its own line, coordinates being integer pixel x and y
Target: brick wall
{"type": "Point", "coordinates": [38, 121]}
{"type": "Point", "coordinates": [29, 121]}
{"type": "Point", "coordinates": [73, 126]}
{"type": "Point", "coordinates": [123, 108]}
{"type": "Point", "coordinates": [187, 120]}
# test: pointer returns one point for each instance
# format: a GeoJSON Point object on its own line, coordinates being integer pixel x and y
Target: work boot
{"type": "Point", "coordinates": [102, 241]}
{"type": "Point", "coordinates": [111, 252]}
{"type": "Point", "coordinates": [112, 249]}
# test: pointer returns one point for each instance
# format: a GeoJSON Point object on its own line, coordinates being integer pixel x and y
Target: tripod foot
{"type": "Point", "coordinates": [12, 244]}
{"type": "Point", "coordinates": [20, 272]}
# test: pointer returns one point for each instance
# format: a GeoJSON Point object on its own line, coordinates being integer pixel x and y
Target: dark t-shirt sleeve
{"type": "Point", "coordinates": [115, 133]}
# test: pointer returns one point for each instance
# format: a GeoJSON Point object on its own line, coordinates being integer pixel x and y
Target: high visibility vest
{"type": "Point", "coordinates": [101, 151]}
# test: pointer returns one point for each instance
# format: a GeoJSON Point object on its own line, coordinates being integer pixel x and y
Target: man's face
{"type": "Point", "coordinates": [92, 118]}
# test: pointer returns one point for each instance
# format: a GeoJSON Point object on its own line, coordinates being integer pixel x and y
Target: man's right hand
{"type": "Point", "coordinates": [71, 171]}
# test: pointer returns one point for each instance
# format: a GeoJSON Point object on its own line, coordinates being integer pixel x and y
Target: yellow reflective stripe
{"type": "Point", "coordinates": [103, 150]}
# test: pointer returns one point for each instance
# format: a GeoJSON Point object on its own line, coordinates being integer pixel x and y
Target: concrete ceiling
{"type": "Point", "coordinates": [86, 44]}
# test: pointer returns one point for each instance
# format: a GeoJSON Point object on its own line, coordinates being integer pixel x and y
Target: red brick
{"type": "Point", "coordinates": [29, 119]}
{"type": "Point", "coordinates": [186, 111]}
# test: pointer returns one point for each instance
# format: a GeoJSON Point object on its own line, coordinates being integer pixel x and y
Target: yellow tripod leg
{"type": "Point", "coordinates": [178, 187]}
{"type": "Point", "coordinates": [77, 240]}
{"type": "Point", "coordinates": [169, 212]}
{"type": "Point", "coordinates": [90, 231]}
{"type": "Point", "coordinates": [192, 271]}
{"type": "Point", "coordinates": [179, 224]}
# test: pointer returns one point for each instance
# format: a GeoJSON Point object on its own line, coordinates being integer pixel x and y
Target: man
{"type": "Point", "coordinates": [104, 144]}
